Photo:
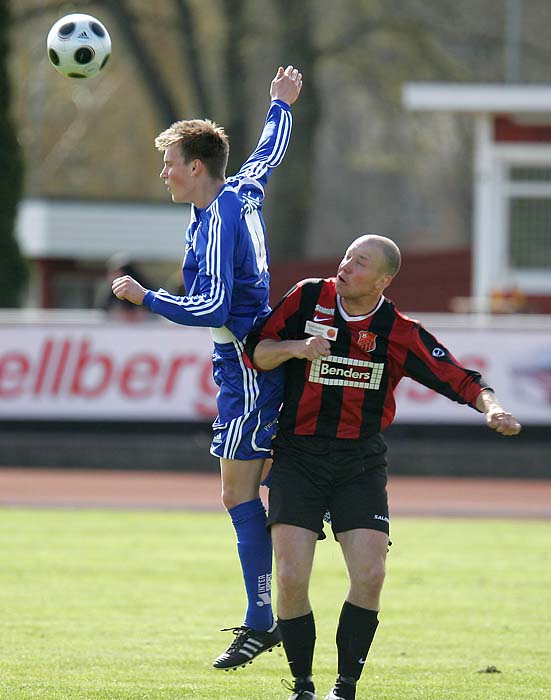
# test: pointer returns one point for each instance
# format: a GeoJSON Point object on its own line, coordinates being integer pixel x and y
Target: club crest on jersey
{"type": "Point", "coordinates": [367, 341]}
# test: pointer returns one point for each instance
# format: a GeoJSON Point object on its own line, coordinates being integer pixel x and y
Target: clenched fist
{"type": "Point", "coordinates": [127, 288]}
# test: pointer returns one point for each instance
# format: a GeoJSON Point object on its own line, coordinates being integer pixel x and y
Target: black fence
{"type": "Point", "coordinates": [414, 450]}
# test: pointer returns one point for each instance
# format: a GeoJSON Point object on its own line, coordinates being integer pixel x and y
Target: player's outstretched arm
{"type": "Point", "coordinates": [286, 85]}
{"type": "Point", "coordinates": [497, 417]}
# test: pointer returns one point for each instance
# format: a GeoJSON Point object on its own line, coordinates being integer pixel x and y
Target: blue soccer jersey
{"type": "Point", "coordinates": [226, 257]}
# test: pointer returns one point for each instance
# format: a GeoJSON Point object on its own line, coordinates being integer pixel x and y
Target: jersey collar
{"type": "Point", "coordinates": [351, 319]}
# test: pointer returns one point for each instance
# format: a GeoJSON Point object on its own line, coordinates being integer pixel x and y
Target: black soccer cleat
{"type": "Point", "coordinates": [332, 696]}
{"type": "Point", "coordinates": [302, 689]}
{"type": "Point", "coordinates": [246, 646]}
{"type": "Point", "coordinates": [342, 691]}
{"type": "Point", "coordinates": [303, 695]}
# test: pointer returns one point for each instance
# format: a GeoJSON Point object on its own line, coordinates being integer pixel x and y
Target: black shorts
{"type": "Point", "coordinates": [312, 475]}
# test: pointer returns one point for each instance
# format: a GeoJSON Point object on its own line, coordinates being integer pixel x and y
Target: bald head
{"type": "Point", "coordinates": [390, 253]}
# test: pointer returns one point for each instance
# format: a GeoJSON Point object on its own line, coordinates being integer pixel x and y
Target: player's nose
{"type": "Point", "coordinates": [344, 266]}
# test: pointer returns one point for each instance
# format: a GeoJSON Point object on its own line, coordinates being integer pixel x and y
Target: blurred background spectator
{"type": "Point", "coordinates": [117, 266]}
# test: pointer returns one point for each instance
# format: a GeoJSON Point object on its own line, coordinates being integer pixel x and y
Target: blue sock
{"type": "Point", "coordinates": [254, 546]}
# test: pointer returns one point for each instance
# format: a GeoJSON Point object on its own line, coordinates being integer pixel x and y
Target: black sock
{"type": "Point", "coordinates": [357, 627]}
{"type": "Point", "coordinates": [299, 638]}
{"type": "Point", "coordinates": [345, 688]}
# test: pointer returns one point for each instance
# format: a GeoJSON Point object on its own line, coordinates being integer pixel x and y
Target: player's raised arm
{"type": "Point", "coordinates": [272, 145]}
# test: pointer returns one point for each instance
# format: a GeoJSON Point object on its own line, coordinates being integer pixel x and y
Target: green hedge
{"type": "Point", "coordinates": [13, 270]}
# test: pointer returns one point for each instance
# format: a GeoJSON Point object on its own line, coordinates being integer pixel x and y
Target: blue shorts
{"type": "Point", "coordinates": [248, 404]}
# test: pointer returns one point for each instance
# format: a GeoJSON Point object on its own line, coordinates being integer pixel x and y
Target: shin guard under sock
{"type": "Point", "coordinates": [299, 639]}
{"type": "Point", "coordinates": [357, 627]}
{"type": "Point", "coordinates": [254, 546]}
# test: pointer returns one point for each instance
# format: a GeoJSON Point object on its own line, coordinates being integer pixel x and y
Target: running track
{"type": "Point", "coordinates": [412, 496]}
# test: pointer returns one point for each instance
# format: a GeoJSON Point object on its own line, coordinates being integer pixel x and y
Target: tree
{"type": "Point", "coordinates": [13, 271]}
{"type": "Point", "coordinates": [352, 149]}
{"type": "Point", "coordinates": [220, 48]}
{"type": "Point", "coordinates": [294, 187]}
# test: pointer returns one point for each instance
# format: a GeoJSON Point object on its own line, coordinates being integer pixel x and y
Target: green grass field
{"type": "Point", "coordinates": [116, 605]}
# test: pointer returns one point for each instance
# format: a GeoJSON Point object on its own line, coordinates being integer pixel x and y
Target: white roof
{"type": "Point", "coordinates": [480, 98]}
{"type": "Point", "coordinates": [95, 230]}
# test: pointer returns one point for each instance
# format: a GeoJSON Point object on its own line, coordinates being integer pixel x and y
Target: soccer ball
{"type": "Point", "coordinates": [79, 46]}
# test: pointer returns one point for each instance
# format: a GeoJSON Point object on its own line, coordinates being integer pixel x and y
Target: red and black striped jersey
{"type": "Point", "coordinates": [350, 393]}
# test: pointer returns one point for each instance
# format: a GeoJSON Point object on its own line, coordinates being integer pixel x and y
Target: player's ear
{"type": "Point", "coordinates": [197, 166]}
{"type": "Point", "coordinates": [384, 282]}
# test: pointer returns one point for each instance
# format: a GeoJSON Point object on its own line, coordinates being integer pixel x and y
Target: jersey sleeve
{"type": "Point", "coordinates": [270, 150]}
{"type": "Point", "coordinates": [208, 303]}
{"type": "Point", "coordinates": [283, 323]}
{"type": "Point", "coordinates": [430, 363]}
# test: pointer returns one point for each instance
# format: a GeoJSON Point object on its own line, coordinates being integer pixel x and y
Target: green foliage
{"type": "Point", "coordinates": [12, 268]}
{"type": "Point", "coordinates": [127, 606]}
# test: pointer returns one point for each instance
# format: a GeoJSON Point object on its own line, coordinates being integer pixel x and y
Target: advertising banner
{"type": "Point", "coordinates": [159, 372]}
{"type": "Point", "coordinates": [128, 371]}
{"type": "Point", "coordinates": [516, 364]}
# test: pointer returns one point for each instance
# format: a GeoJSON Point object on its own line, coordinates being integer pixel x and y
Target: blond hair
{"type": "Point", "coordinates": [200, 139]}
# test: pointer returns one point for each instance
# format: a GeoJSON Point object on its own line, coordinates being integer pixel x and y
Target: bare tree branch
{"type": "Point", "coordinates": [293, 188]}
{"type": "Point", "coordinates": [235, 72]}
{"type": "Point", "coordinates": [150, 73]}
{"type": "Point", "coordinates": [189, 45]}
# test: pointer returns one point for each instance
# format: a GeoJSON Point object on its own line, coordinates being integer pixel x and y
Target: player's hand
{"type": "Point", "coordinates": [127, 288]}
{"type": "Point", "coordinates": [503, 422]}
{"type": "Point", "coordinates": [286, 85]}
{"type": "Point", "coordinates": [313, 348]}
